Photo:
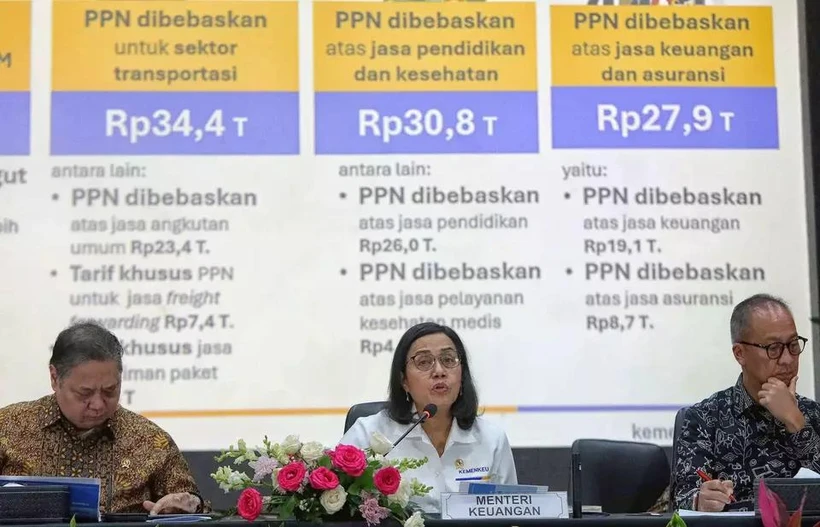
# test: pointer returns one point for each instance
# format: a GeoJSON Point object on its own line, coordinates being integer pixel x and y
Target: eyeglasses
{"type": "Point", "coordinates": [427, 361]}
{"type": "Point", "coordinates": [775, 349]}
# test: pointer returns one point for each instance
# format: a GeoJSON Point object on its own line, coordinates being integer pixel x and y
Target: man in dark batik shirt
{"type": "Point", "coordinates": [758, 428]}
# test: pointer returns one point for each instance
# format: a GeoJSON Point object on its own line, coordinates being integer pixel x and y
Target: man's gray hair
{"type": "Point", "coordinates": [84, 342]}
{"type": "Point", "coordinates": [742, 313]}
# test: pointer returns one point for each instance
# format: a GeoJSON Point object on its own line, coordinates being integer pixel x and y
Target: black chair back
{"type": "Point", "coordinates": [674, 458]}
{"type": "Point", "coordinates": [619, 476]}
{"type": "Point", "coordinates": [363, 410]}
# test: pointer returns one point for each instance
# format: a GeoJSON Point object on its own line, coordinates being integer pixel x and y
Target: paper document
{"type": "Point", "coordinates": [683, 513]}
{"type": "Point", "coordinates": [178, 518]}
{"type": "Point", "coordinates": [805, 473]}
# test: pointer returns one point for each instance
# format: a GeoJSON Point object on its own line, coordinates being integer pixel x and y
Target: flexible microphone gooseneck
{"type": "Point", "coordinates": [428, 412]}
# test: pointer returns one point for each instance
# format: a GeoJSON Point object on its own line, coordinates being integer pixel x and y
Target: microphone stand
{"type": "Point", "coordinates": [422, 418]}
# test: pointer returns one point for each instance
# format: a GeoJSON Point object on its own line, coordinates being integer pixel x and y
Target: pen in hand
{"type": "Point", "coordinates": [705, 477]}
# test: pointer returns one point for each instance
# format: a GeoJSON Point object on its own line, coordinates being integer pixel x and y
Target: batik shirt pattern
{"type": "Point", "coordinates": [133, 457]}
{"type": "Point", "coordinates": [730, 436]}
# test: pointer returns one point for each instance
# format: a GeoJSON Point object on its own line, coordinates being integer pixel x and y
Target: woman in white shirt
{"type": "Point", "coordinates": [430, 366]}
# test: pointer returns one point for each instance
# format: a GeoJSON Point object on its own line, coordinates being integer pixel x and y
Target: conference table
{"type": "Point", "coordinates": [594, 521]}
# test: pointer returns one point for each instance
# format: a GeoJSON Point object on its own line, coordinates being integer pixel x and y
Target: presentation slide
{"type": "Point", "coordinates": [259, 197]}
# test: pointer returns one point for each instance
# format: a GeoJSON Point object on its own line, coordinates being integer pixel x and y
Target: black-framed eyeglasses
{"type": "Point", "coordinates": [427, 361]}
{"type": "Point", "coordinates": [775, 349]}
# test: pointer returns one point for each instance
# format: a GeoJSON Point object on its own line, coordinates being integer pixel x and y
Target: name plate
{"type": "Point", "coordinates": [457, 506]}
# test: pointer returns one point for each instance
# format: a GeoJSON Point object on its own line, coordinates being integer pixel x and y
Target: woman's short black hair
{"type": "Point", "coordinates": [465, 407]}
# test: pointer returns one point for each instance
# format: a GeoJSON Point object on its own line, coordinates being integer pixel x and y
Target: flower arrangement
{"type": "Point", "coordinates": [308, 482]}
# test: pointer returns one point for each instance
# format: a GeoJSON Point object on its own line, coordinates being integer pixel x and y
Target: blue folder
{"type": "Point", "coordinates": [83, 493]}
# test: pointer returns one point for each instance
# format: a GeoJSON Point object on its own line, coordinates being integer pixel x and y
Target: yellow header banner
{"type": "Point", "coordinates": [132, 45]}
{"type": "Point", "coordinates": [394, 46]}
{"type": "Point", "coordinates": [15, 45]}
{"type": "Point", "coordinates": [662, 46]}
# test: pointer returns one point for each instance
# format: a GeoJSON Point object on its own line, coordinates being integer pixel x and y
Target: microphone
{"type": "Point", "coordinates": [428, 412]}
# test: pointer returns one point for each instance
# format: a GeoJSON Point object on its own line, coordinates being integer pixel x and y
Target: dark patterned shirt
{"type": "Point", "coordinates": [136, 455]}
{"type": "Point", "coordinates": [730, 436]}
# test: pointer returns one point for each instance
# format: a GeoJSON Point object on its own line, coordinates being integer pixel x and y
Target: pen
{"type": "Point", "coordinates": [705, 477]}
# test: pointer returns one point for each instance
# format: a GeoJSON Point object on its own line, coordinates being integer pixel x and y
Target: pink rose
{"type": "Point", "coordinates": [249, 504]}
{"type": "Point", "coordinates": [323, 479]}
{"type": "Point", "coordinates": [387, 480]}
{"type": "Point", "coordinates": [350, 460]}
{"type": "Point", "coordinates": [291, 476]}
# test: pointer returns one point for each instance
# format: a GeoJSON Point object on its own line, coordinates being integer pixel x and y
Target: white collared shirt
{"type": "Point", "coordinates": [481, 453]}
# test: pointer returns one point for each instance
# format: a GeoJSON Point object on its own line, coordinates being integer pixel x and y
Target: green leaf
{"type": "Point", "coordinates": [73, 522]}
{"type": "Point", "coordinates": [345, 480]}
{"type": "Point", "coordinates": [286, 510]}
{"type": "Point", "coordinates": [676, 521]}
{"type": "Point", "coordinates": [365, 481]}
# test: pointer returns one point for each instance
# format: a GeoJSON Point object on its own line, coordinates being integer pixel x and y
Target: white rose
{"type": "Point", "coordinates": [414, 521]}
{"type": "Point", "coordinates": [402, 495]}
{"type": "Point", "coordinates": [333, 500]}
{"type": "Point", "coordinates": [380, 444]}
{"type": "Point", "coordinates": [312, 451]}
{"type": "Point", "coordinates": [291, 444]}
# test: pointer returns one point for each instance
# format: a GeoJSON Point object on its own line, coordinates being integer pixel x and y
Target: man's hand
{"type": "Point", "coordinates": [714, 495]}
{"type": "Point", "coordinates": [781, 401]}
{"type": "Point", "coordinates": [181, 502]}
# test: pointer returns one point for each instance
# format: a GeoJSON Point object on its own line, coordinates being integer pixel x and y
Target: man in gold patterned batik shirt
{"type": "Point", "coordinates": [82, 431]}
